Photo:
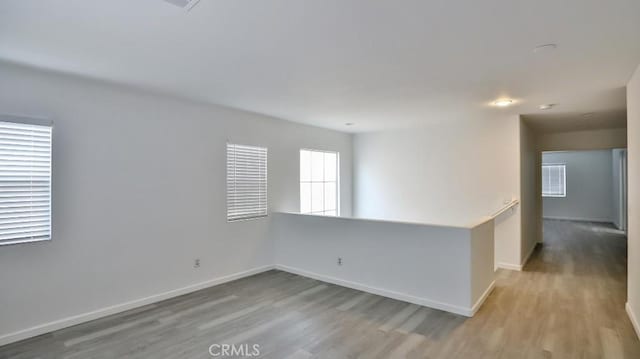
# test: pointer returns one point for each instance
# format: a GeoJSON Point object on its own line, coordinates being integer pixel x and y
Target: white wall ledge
{"type": "Point", "coordinates": [468, 225]}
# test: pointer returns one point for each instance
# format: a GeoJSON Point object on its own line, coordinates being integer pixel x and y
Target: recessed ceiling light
{"type": "Point", "coordinates": [544, 48]}
{"type": "Point", "coordinates": [349, 124]}
{"type": "Point", "coordinates": [503, 102]}
{"type": "Point", "coordinates": [547, 106]}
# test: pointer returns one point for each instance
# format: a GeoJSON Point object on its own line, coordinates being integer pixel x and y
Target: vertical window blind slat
{"type": "Point", "coordinates": [25, 183]}
{"type": "Point", "coordinates": [246, 182]}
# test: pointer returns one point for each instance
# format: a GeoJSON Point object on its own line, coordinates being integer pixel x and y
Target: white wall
{"type": "Point", "coordinates": [139, 193]}
{"type": "Point", "coordinates": [633, 166]}
{"type": "Point", "coordinates": [530, 173]}
{"type": "Point", "coordinates": [618, 192]}
{"type": "Point", "coordinates": [589, 186]}
{"type": "Point", "coordinates": [450, 173]}
{"type": "Point", "coordinates": [448, 268]}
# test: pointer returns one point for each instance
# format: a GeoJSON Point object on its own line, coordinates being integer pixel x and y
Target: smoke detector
{"type": "Point", "coordinates": [185, 4]}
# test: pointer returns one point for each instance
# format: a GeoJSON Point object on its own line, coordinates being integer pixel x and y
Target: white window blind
{"type": "Point", "coordinates": [319, 180]}
{"type": "Point", "coordinates": [554, 180]}
{"type": "Point", "coordinates": [25, 183]}
{"type": "Point", "coordinates": [246, 182]}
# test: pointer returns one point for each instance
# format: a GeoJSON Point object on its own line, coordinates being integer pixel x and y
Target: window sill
{"type": "Point", "coordinates": [23, 241]}
{"type": "Point", "coordinates": [246, 218]}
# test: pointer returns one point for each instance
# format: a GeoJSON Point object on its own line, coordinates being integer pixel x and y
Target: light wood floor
{"type": "Point", "coordinates": [568, 303]}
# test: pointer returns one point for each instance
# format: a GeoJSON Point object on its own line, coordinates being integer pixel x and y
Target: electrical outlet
{"type": "Point", "coordinates": [339, 261]}
{"type": "Point", "coordinates": [196, 263]}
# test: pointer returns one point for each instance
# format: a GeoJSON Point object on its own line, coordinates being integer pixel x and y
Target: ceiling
{"type": "Point", "coordinates": [565, 122]}
{"type": "Point", "coordinates": [375, 63]}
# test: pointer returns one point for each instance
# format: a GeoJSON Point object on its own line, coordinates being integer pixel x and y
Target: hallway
{"type": "Point", "coordinates": [570, 298]}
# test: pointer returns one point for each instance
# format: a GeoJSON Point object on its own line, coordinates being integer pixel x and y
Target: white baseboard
{"type": "Point", "coordinates": [580, 219]}
{"type": "Point", "coordinates": [482, 298]}
{"type": "Point", "coordinates": [118, 308]}
{"type": "Point", "coordinates": [528, 256]}
{"type": "Point", "coordinates": [633, 318]}
{"type": "Point", "coordinates": [518, 267]}
{"type": "Point", "coordinates": [509, 266]}
{"type": "Point", "coordinates": [466, 311]}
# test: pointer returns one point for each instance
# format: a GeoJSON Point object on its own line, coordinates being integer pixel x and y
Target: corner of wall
{"type": "Point", "coordinates": [634, 319]}
{"type": "Point", "coordinates": [633, 197]}
{"type": "Point", "coordinates": [354, 175]}
{"type": "Point", "coordinates": [529, 163]}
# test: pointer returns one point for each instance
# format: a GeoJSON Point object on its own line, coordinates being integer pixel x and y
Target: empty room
{"type": "Point", "coordinates": [319, 179]}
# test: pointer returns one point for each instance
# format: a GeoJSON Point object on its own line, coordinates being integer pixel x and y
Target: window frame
{"type": "Point", "coordinates": [564, 177]}
{"type": "Point", "coordinates": [27, 121]}
{"type": "Point", "coordinates": [337, 183]}
{"type": "Point", "coordinates": [256, 215]}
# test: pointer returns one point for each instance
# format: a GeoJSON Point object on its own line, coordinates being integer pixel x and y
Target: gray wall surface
{"type": "Point", "coordinates": [589, 186]}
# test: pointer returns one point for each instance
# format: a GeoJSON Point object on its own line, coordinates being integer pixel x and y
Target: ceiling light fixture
{"type": "Point", "coordinates": [349, 124]}
{"type": "Point", "coordinates": [544, 48]}
{"type": "Point", "coordinates": [547, 106]}
{"type": "Point", "coordinates": [588, 114]}
{"type": "Point", "coordinates": [503, 102]}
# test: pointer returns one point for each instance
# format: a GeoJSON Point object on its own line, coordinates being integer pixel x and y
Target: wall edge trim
{"type": "Point", "coordinates": [580, 219]}
{"type": "Point", "coordinates": [633, 318]}
{"type": "Point", "coordinates": [460, 310]}
{"type": "Point", "coordinates": [509, 266]}
{"type": "Point", "coordinates": [483, 298]}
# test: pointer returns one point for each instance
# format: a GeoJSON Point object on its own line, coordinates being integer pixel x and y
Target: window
{"type": "Point", "coordinates": [246, 182]}
{"type": "Point", "coordinates": [319, 182]}
{"type": "Point", "coordinates": [25, 183]}
{"type": "Point", "coordinates": [554, 180]}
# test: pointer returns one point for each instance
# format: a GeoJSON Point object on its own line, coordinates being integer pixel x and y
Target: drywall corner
{"type": "Point", "coordinates": [633, 175]}
{"type": "Point", "coordinates": [482, 272]}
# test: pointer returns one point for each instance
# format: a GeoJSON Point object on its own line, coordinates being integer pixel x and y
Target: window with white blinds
{"type": "Point", "coordinates": [246, 182]}
{"type": "Point", "coordinates": [25, 183]}
{"type": "Point", "coordinates": [554, 180]}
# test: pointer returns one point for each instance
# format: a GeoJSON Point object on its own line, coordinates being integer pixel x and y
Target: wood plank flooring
{"type": "Point", "coordinates": [567, 303]}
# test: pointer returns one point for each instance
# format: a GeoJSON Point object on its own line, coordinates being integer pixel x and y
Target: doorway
{"type": "Point", "coordinates": [585, 186]}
